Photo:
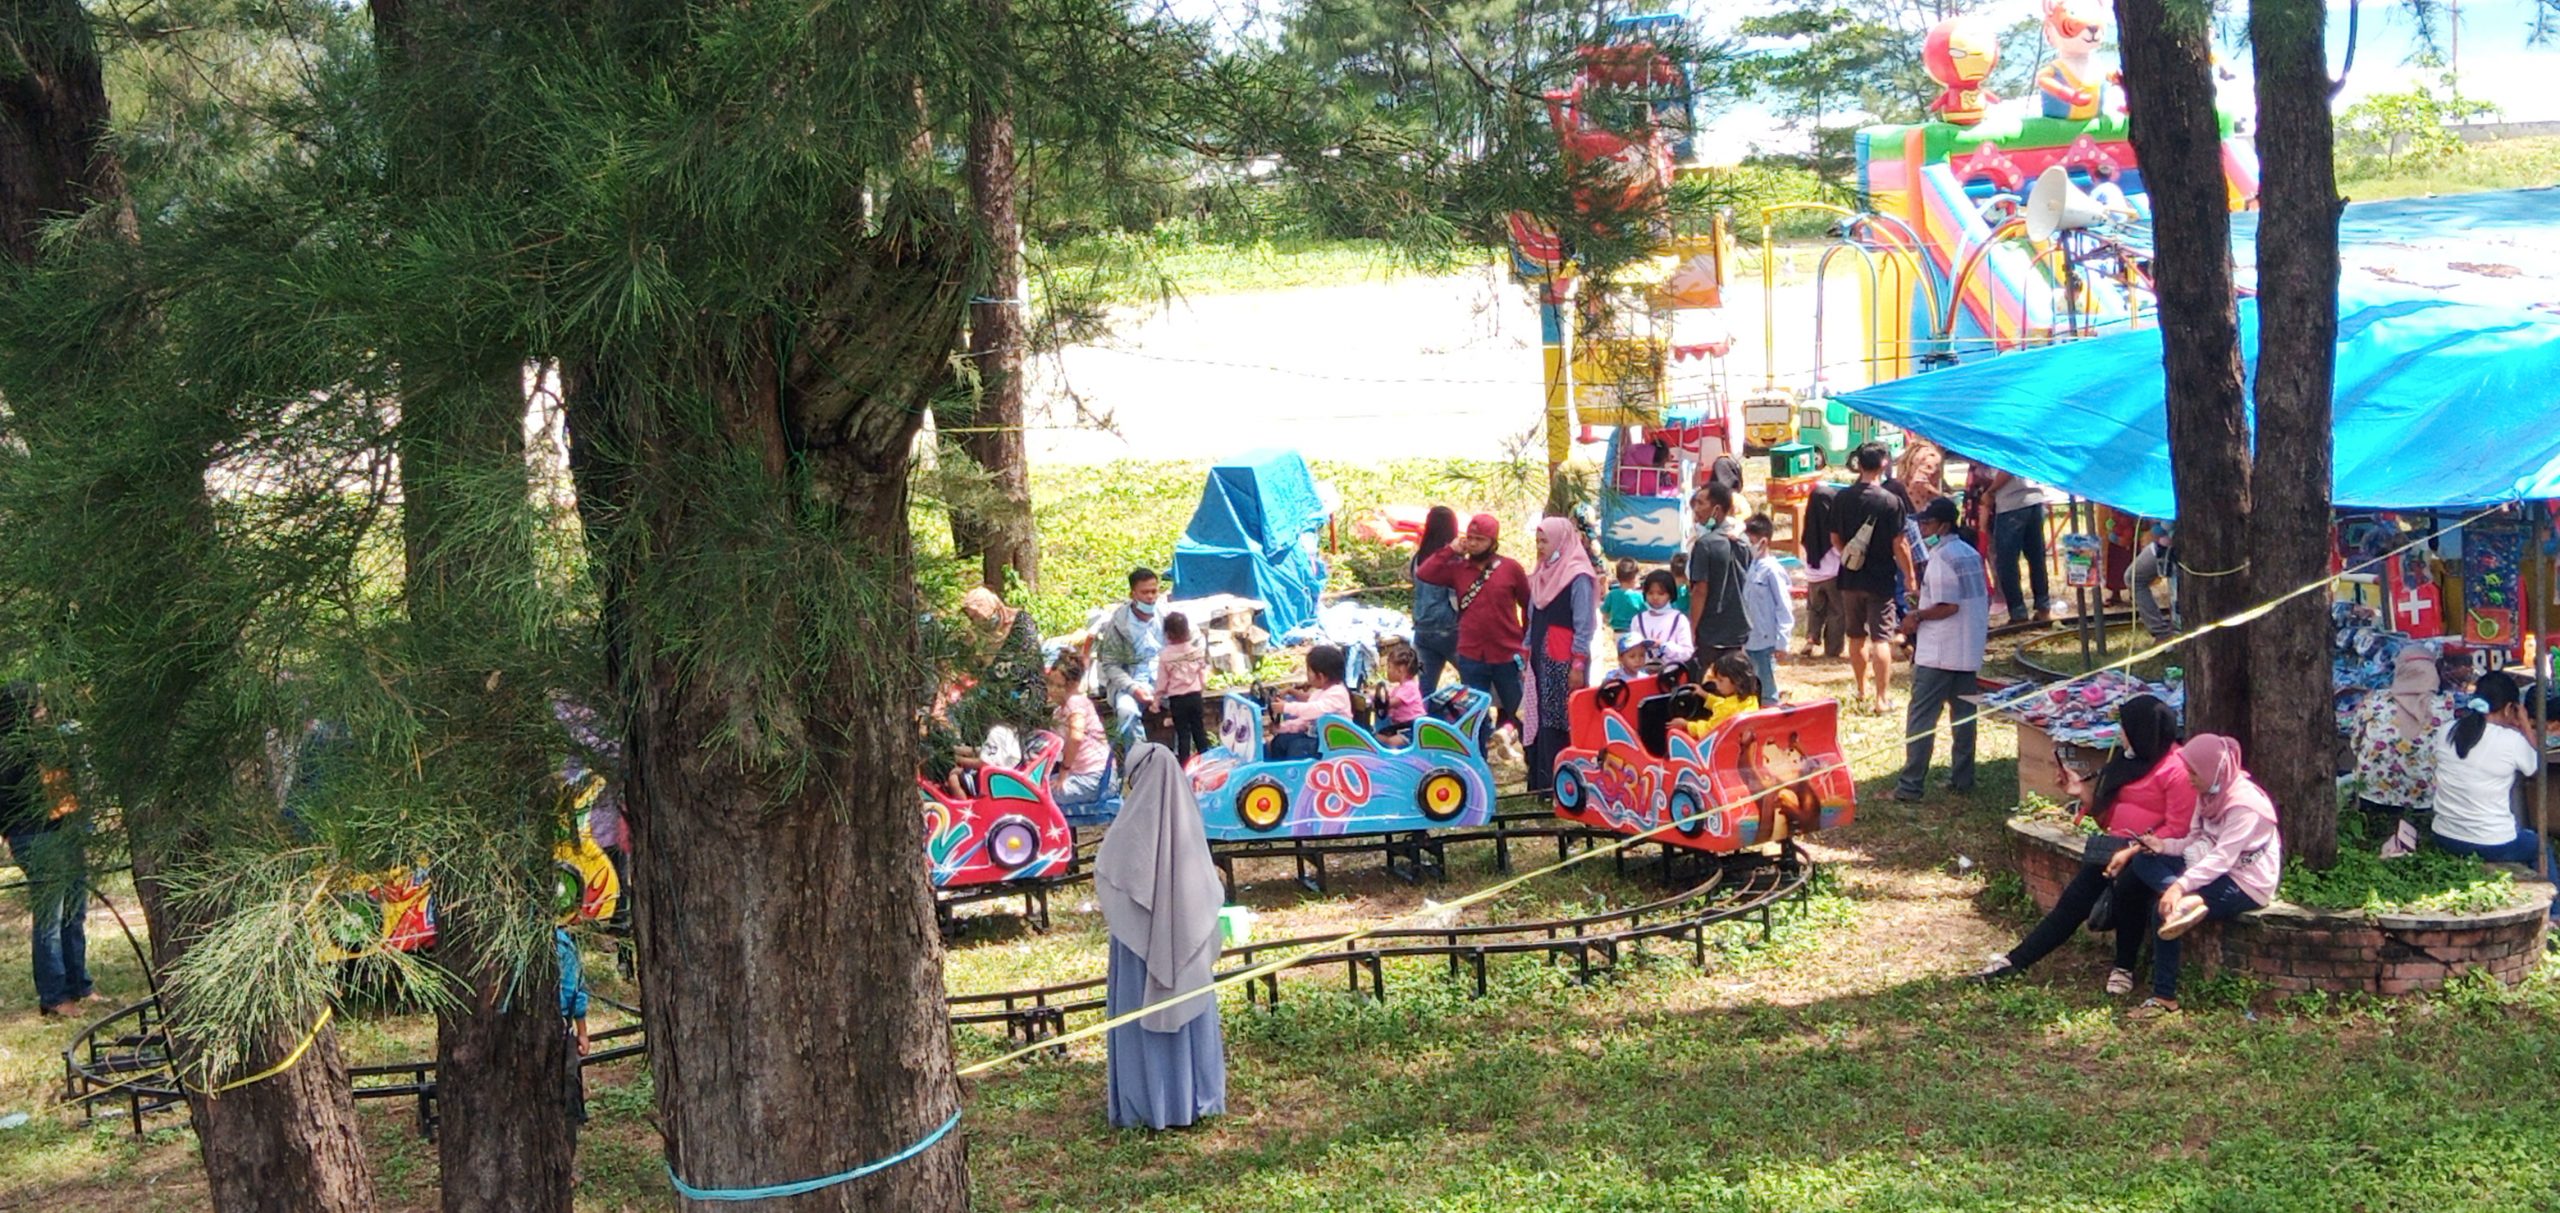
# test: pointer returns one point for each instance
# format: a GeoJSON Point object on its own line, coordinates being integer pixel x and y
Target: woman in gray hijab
{"type": "Point", "coordinates": [1160, 895]}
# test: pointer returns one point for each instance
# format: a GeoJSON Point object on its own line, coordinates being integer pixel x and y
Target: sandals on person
{"type": "Point", "coordinates": [2153, 1008]}
{"type": "Point", "coordinates": [2119, 982]}
{"type": "Point", "coordinates": [2189, 914]}
{"type": "Point", "coordinates": [1994, 969]}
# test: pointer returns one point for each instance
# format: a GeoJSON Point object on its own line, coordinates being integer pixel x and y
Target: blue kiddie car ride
{"type": "Point", "coordinates": [1356, 784]}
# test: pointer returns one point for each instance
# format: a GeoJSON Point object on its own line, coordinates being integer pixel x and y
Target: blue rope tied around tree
{"type": "Point", "coordinates": [803, 1187]}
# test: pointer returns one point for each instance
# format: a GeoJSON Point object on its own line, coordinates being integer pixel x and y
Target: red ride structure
{"type": "Point", "coordinates": [1635, 766]}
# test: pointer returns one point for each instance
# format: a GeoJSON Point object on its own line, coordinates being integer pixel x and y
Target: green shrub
{"type": "Point", "coordinates": [2430, 881]}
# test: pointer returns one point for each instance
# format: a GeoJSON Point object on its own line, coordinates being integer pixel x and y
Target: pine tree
{"type": "Point", "coordinates": [289, 1142]}
{"type": "Point", "coordinates": [2293, 737]}
{"type": "Point", "coordinates": [2168, 82]}
{"type": "Point", "coordinates": [725, 226]}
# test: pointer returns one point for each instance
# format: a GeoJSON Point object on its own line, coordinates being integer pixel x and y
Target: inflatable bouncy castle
{"type": "Point", "coordinates": [2009, 223]}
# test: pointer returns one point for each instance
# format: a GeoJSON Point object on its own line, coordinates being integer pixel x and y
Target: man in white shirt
{"type": "Point", "coordinates": [1949, 631]}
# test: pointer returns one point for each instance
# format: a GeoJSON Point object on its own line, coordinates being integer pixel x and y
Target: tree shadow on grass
{"type": "Point", "coordinates": [1928, 1095]}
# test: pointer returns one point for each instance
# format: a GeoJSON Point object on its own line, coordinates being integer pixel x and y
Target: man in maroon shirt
{"type": "Point", "coordinates": [1493, 611]}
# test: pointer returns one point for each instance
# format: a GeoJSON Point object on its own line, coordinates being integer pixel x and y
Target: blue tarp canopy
{"type": "Point", "coordinates": [1245, 538]}
{"type": "Point", "coordinates": [2439, 404]}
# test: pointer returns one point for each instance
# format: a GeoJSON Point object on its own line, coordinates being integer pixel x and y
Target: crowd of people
{"type": "Point", "coordinates": [1889, 565]}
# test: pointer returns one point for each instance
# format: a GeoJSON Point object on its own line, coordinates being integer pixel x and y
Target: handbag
{"type": "Point", "coordinates": [2101, 848]}
{"type": "Point", "coordinates": [1854, 557]}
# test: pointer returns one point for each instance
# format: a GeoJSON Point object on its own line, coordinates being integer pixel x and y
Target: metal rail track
{"type": "Point", "coordinates": [119, 1065]}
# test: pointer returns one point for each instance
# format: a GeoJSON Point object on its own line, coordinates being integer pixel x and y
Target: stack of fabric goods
{"type": "Point", "coordinates": [2361, 655]}
{"type": "Point", "coordinates": [2081, 713]}
{"type": "Point", "coordinates": [1355, 626]}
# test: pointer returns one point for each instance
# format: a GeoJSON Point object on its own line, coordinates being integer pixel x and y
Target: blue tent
{"type": "Point", "coordinates": [1245, 538]}
{"type": "Point", "coordinates": [2439, 404]}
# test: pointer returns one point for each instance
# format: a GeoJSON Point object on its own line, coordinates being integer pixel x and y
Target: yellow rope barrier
{"type": "Point", "coordinates": [1269, 968]}
{"type": "Point", "coordinates": [309, 1039]}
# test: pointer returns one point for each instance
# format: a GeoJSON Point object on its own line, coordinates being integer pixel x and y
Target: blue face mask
{"type": "Point", "coordinates": [1931, 541]}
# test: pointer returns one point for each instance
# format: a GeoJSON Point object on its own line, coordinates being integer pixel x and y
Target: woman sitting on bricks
{"type": "Point", "coordinates": [2144, 801]}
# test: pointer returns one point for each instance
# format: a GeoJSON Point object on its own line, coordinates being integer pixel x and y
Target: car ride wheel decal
{"type": "Point", "coordinates": [1568, 788]}
{"type": "Point", "coordinates": [1263, 804]}
{"type": "Point", "coordinates": [1441, 796]}
{"type": "Point", "coordinates": [1686, 810]}
{"type": "Point", "coordinates": [568, 890]}
{"type": "Point", "coordinates": [1013, 842]}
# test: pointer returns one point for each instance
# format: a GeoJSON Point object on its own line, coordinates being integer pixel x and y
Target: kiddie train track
{"type": "Point", "coordinates": [119, 1065]}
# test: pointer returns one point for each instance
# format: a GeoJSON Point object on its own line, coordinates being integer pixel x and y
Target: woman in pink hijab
{"type": "Point", "coordinates": [2228, 865]}
{"type": "Point", "coordinates": [1563, 592]}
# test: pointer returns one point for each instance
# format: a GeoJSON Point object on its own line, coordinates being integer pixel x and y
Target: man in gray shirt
{"type": "Point", "coordinates": [2017, 531]}
{"type": "Point", "coordinates": [2154, 563]}
{"type": "Point", "coordinates": [1718, 565]}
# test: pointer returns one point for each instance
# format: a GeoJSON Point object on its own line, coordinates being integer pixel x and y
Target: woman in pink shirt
{"type": "Point", "coordinates": [2229, 866]}
{"type": "Point", "coordinates": [2143, 798]}
{"type": "Point", "coordinates": [1079, 773]}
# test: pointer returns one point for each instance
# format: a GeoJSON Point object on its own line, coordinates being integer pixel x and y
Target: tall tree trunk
{"type": "Point", "coordinates": [285, 1144]}
{"type": "Point", "coordinates": [55, 158]}
{"type": "Point", "coordinates": [2168, 79]}
{"type": "Point", "coordinates": [288, 1142]}
{"type": "Point", "coordinates": [794, 974]}
{"type": "Point", "coordinates": [504, 1136]}
{"type": "Point", "coordinates": [505, 1141]}
{"type": "Point", "coordinates": [2295, 736]}
{"type": "Point", "coordinates": [1005, 538]}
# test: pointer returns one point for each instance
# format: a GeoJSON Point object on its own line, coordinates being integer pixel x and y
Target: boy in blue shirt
{"type": "Point", "coordinates": [1765, 601]}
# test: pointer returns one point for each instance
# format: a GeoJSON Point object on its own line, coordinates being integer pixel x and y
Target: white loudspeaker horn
{"type": "Point", "coordinates": [2056, 205]}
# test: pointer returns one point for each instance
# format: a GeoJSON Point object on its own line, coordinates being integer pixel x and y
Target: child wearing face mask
{"type": "Point", "coordinates": [1765, 602]}
{"type": "Point", "coordinates": [1663, 625]}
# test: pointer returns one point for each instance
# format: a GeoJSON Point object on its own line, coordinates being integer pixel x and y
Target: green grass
{"type": "Point", "coordinates": [1837, 1066]}
{"type": "Point", "coordinates": [1096, 523]}
{"type": "Point", "coordinates": [1137, 269]}
{"type": "Point", "coordinates": [2430, 881]}
{"type": "Point", "coordinates": [2059, 651]}
{"type": "Point", "coordinates": [2503, 165]}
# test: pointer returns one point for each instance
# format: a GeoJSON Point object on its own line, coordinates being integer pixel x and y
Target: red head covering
{"type": "Point", "coordinates": [1485, 527]}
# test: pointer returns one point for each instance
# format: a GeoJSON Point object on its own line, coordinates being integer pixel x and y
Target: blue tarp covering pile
{"type": "Point", "coordinates": [1244, 538]}
{"type": "Point", "coordinates": [2439, 404]}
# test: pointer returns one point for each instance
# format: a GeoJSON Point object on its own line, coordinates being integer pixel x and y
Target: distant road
{"type": "Point", "coordinates": [1362, 372]}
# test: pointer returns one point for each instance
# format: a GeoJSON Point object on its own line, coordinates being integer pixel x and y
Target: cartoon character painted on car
{"type": "Point", "coordinates": [1356, 784]}
{"type": "Point", "coordinates": [1759, 777]}
{"type": "Point", "coordinates": [395, 910]}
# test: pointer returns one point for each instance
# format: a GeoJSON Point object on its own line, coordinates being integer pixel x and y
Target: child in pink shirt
{"type": "Point", "coordinates": [1404, 693]}
{"type": "Point", "coordinates": [1182, 678]}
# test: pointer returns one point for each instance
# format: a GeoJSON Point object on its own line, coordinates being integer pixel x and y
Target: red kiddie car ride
{"type": "Point", "coordinates": [1011, 830]}
{"type": "Point", "coordinates": [1634, 766]}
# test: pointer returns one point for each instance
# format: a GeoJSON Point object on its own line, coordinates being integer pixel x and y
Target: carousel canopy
{"type": "Point", "coordinates": [2439, 404]}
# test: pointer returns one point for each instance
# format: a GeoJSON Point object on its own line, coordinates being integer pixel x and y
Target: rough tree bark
{"type": "Point", "coordinates": [1004, 538]}
{"type": "Point", "coordinates": [794, 974]}
{"type": "Point", "coordinates": [504, 1137]}
{"type": "Point", "coordinates": [2293, 735]}
{"type": "Point", "coordinates": [289, 1142]}
{"type": "Point", "coordinates": [2168, 79]}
